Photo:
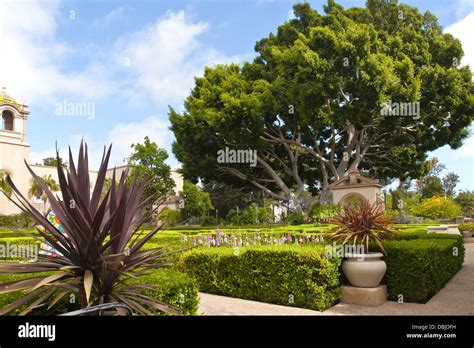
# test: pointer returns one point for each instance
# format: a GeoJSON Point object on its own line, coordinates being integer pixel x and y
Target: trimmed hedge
{"type": "Point", "coordinates": [176, 289]}
{"type": "Point", "coordinates": [419, 268]}
{"type": "Point", "coordinates": [292, 275]}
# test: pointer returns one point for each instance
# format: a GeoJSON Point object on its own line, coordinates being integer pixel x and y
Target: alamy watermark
{"type": "Point", "coordinates": [341, 251]}
{"type": "Point", "coordinates": [237, 156]}
{"type": "Point", "coordinates": [19, 251]}
{"type": "Point", "coordinates": [400, 109]}
{"type": "Point", "coordinates": [70, 108]}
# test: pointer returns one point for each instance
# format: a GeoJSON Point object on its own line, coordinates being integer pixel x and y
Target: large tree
{"type": "Point", "coordinates": [148, 161]}
{"type": "Point", "coordinates": [312, 102]}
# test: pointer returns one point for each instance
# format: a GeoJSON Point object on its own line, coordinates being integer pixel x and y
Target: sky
{"type": "Point", "coordinates": [127, 62]}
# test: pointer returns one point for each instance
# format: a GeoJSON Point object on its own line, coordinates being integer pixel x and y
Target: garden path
{"type": "Point", "coordinates": [456, 298]}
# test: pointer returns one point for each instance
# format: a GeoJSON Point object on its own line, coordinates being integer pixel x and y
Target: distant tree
{"type": "Point", "coordinates": [225, 197]}
{"type": "Point", "coordinates": [36, 190]}
{"type": "Point", "coordinates": [313, 103]}
{"type": "Point", "coordinates": [450, 182]}
{"type": "Point", "coordinates": [4, 187]}
{"type": "Point", "coordinates": [466, 200]}
{"type": "Point", "coordinates": [196, 202]}
{"type": "Point", "coordinates": [436, 208]}
{"type": "Point", "coordinates": [148, 160]}
{"type": "Point", "coordinates": [53, 162]}
{"type": "Point", "coordinates": [432, 187]}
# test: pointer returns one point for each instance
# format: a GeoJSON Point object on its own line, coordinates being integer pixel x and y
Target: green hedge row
{"type": "Point", "coordinates": [18, 220]}
{"type": "Point", "coordinates": [175, 288]}
{"type": "Point", "coordinates": [418, 268]}
{"type": "Point", "coordinates": [289, 275]}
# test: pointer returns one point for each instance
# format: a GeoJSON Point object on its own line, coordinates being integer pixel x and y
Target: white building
{"type": "Point", "coordinates": [15, 150]}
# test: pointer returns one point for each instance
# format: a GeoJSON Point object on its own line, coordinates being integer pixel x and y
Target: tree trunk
{"type": "Point", "coordinates": [325, 196]}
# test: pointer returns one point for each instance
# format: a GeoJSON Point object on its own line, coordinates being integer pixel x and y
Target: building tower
{"type": "Point", "coordinates": [14, 148]}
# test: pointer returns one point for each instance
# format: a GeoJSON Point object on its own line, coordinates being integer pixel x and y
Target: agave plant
{"type": "Point", "coordinates": [359, 224]}
{"type": "Point", "coordinates": [100, 248]}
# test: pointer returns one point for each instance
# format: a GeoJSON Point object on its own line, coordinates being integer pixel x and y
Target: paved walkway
{"type": "Point", "coordinates": [456, 298]}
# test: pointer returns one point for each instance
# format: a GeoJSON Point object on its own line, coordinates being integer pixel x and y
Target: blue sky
{"type": "Point", "coordinates": [129, 60]}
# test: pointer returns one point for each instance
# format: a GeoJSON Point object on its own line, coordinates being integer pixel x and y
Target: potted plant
{"type": "Point", "coordinates": [466, 229]}
{"type": "Point", "coordinates": [359, 225]}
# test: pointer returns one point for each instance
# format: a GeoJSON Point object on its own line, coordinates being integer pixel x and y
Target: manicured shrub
{"type": "Point", "coordinates": [294, 219]}
{"type": "Point", "coordinates": [169, 217]}
{"type": "Point", "coordinates": [417, 269]}
{"type": "Point", "coordinates": [322, 213]}
{"type": "Point", "coordinates": [16, 220]}
{"type": "Point", "coordinates": [436, 208]}
{"type": "Point", "coordinates": [292, 275]}
{"type": "Point", "coordinates": [174, 288]}
{"type": "Point", "coordinates": [466, 227]}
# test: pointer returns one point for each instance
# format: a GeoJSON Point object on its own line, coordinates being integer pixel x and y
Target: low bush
{"type": "Point", "coordinates": [169, 217]}
{"type": "Point", "coordinates": [292, 275]}
{"type": "Point", "coordinates": [16, 220]}
{"type": "Point", "coordinates": [417, 269]}
{"type": "Point", "coordinates": [436, 208]}
{"type": "Point", "coordinates": [294, 219]}
{"type": "Point", "coordinates": [176, 289]}
{"type": "Point", "coordinates": [466, 227]}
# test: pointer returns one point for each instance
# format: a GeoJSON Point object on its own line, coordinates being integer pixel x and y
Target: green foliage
{"type": "Point", "coordinates": [315, 87]}
{"type": "Point", "coordinates": [361, 225]}
{"type": "Point", "coordinates": [281, 274]}
{"type": "Point", "coordinates": [169, 217]}
{"type": "Point", "coordinates": [294, 219]}
{"type": "Point", "coordinates": [101, 250]}
{"type": "Point", "coordinates": [196, 202]}
{"type": "Point", "coordinates": [432, 187]}
{"type": "Point", "coordinates": [466, 200]}
{"type": "Point", "coordinates": [322, 213]}
{"type": "Point", "coordinates": [174, 288]}
{"type": "Point", "coordinates": [418, 269]}
{"type": "Point", "coordinates": [252, 214]}
{"type": "Point", "coordinates": [4, 187]}
{"type": "Point", "coordinates": [225, 197]}
{"type": "Point", "coordinates": [466, 227]}
{"type": "Point", "coordinates": [436, 208]}
{"type": "Point", "coordinates": [21, 220]}
{"type": "Point", "coordinates": [53, 162]}
{"type": "Point", "coordinates": [148, 162]}
{"type": "Point", "coordinates": [209, 220]}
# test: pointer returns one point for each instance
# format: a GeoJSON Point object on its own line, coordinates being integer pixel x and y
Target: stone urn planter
{"type": "Point", "coordinates": [364, 270]}
{"type": "Point", "coordinates": [466, 234]}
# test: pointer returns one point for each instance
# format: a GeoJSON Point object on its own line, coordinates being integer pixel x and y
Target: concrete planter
{"type": "Point", "coordinates": [466, 234]}
{"type": "Point", "coordinates": [364, 270]}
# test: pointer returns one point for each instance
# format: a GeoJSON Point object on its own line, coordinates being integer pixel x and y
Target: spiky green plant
{"type": "Point", "coordinates": [359, 224]}
{"type": "Point", "coordinates": [101, 247]}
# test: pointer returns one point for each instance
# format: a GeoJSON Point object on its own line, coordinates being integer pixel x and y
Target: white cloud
{"type": "Point", "coordinates": [463, 30]}
{"type": "Point", "coordinates": [121, 136]}
{"type": "Point", "coordinates": [31, 55]}
{"type": "Point", "coordinates": [164, 57]}
{"type": "Point", "coordinates": [467, 150]}
{"type": "Point", "coordinates": [109, 18]}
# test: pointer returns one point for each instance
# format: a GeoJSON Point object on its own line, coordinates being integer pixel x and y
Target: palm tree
{"type": "Point", "coordinates": [4, 187]}
{"type": "Point", "coordinates": [36, 190]}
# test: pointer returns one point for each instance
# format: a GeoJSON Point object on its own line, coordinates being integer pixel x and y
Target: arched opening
{"type": "Point", "coordinates": [353, 200]}
{"type": "Point", "coordinates": [7, 120]}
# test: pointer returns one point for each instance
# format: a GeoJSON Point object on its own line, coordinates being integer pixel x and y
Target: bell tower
{"type": "Point", "coordinates": [14, 148]}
